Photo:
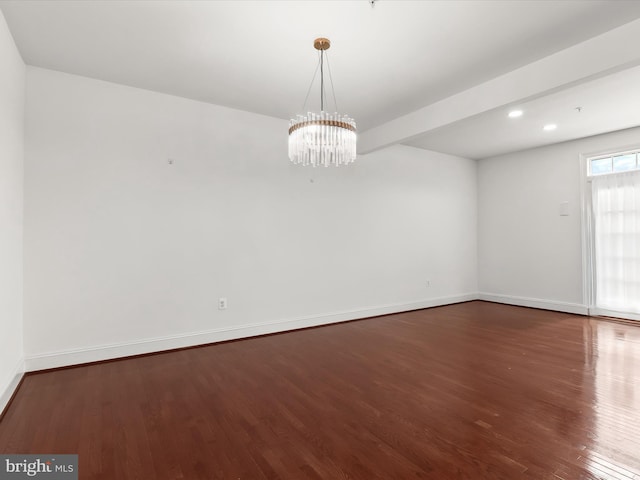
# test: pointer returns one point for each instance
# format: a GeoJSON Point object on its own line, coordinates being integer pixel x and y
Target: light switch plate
{"type": "Point", "coordinates": [564, 209]}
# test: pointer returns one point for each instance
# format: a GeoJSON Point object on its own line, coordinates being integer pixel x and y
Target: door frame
{"type": "Point", "coordinates": [587, 234]}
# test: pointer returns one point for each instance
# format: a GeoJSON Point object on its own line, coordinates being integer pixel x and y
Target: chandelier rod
{"type": "Point", "coordinates": [310, 86]}
{"type": "Point", "coordinates": [322, 80]}
{"type": "Point", "coordinates": [333, 90]}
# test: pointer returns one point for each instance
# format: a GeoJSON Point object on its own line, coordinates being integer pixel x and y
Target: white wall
{"type": "Point", "coordinates": [12, 93]}
{"type": "Point", "coordinates": [125, 253]}
{"type": "Point", "coordinates": [527, 253]}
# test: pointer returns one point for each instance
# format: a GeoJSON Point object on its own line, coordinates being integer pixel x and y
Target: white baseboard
{"type": "Point", "coordinates": [7, 392]}
{"type": "Point", "coordinates": [108, 352]}
{"type": "Point", "coordinates": [567, 307]}
{"type": "Point", "coordinates": [614, 314]}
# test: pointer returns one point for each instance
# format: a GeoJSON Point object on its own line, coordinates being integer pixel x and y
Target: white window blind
{"type": "Point", "coordinates": [616, 222]}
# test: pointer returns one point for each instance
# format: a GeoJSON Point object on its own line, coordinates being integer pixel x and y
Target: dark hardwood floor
{"type": "Point", "coordinates": [468, 391]}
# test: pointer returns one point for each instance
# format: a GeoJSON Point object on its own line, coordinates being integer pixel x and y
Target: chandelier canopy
{"type": "Point", "coordinates": [322, 138]}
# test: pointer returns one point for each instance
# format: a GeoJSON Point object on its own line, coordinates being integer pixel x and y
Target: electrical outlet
{"type": "Point", "coordinates": [222, 303]}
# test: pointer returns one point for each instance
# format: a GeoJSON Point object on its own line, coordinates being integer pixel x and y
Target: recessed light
{"type": "Point", "coordinates": [515, 113]}
{"type": "Point", "coordinates": [549, 127]}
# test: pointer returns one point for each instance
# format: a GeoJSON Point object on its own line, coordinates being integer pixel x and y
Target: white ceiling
{"type": "Point", "coordinates": [603, 105]}
{"type": "Point", "coordinates": [386, 61]}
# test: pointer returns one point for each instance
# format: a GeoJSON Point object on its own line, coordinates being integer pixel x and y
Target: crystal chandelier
{"type": "Point", "coordinates": [322, 138]}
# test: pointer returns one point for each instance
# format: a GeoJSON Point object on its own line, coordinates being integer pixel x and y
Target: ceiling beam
{"type": "Point", "coordinates": [599, 56]}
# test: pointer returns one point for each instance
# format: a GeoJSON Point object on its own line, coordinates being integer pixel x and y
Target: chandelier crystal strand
{"type": "Point", "coordinates": [322, 139]}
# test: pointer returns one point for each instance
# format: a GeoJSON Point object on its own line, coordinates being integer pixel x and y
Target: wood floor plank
{"type": "Point", "coordinates": [467, 391]}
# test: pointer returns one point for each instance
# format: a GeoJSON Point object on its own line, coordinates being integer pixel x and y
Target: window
{"type": "Point", "coordinates": [616, 163]}
{"type": "Point", "coordinates": [615, 237]}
